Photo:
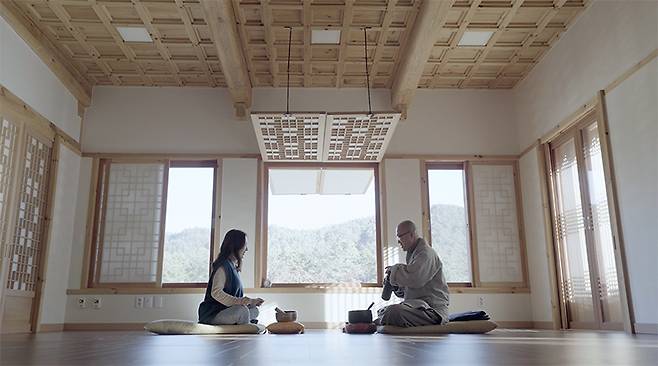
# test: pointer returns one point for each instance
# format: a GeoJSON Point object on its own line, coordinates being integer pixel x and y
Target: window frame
{"type": "Point", "coordinates": [466, 164]}
{"type": "Point", "coordinates": [96, 219]}
{"type": "Point", "coordinates": [427, 221]}
{"type": "Point", "coordinates": [262, 251]}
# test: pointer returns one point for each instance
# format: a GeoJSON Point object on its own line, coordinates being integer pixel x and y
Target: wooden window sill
{"type": "Point", "coordinates": [309, 290]}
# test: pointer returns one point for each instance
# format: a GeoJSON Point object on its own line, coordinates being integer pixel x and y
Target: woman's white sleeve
{"type": "Point", "coordinates": [217, 291]}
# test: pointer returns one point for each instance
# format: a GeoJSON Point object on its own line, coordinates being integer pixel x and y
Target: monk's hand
{"type": "Point", "coordinates": [257, 302]}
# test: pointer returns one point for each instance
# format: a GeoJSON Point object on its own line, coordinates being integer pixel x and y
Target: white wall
{"type": "Point", "coordinates": [80, 225]}
{"type": "Point", "coordinates": [457, 122]}
{"type": "Point", "coordinates": [607, 39]}
{"type": "Point", "coordinates": [403, 202]}
{"type": "Point", "coordinates": [26, 76]}
{"type": "Point", "coordinates": [53, 306]}
{"type": "Point", "coordinates": [175, 120]}
{"type": "Point", "coordinates": [321, 308]}
{"type": "Point", "coordinates": [200, 120]}
{"type": "Point", "coordinates": [633, 124]}
{"type": "Point", "coordinates": [239, 187]}
{"type": "Point", "coordinates": [533, 219]}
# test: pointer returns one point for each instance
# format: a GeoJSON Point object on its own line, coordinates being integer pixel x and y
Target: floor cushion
{"type": "Point", "coordinates": [466, 327]}
{"type": "Point", "coordinates": [360, 328]}
{"type": "Point", "coordinates": [286, 328]}
{"type": "Point", "coordinates": [175, 326]}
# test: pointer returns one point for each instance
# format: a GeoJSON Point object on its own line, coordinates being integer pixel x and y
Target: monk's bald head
{"type": "Point", "coordinates": [407, 235]}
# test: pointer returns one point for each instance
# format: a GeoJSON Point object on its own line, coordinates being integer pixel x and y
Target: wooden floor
{"type": "Point", "coordinates": [501, 347]}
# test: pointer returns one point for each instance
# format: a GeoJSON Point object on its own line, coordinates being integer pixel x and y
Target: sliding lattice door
{"type": "Point", "coordinates": [25, 166]}
{"type": "Point", "coordinates": [589, 286]}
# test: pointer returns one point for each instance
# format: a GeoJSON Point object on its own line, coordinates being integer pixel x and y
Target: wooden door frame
{"type": "Point", "coordinates": [26, 130]}
{"type": "Point", "coordinates": [11, 210]}
{"type": "Point", "coordinates": [566, 137]}
{"type": "Point", "coordinates": [597, 109]}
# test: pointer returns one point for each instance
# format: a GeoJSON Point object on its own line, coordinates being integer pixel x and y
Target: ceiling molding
{"type": "Point", "coordinates": [72, 79]}
{"type": "Point", "coordinates": [429, 23]}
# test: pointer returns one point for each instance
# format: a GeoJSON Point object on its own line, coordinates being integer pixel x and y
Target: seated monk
{"type": "Point", "coordinates": [420, 282]}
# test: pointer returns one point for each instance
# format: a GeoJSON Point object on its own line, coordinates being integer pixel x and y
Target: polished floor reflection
{"type": "Point", "coordinates": [317, 347]}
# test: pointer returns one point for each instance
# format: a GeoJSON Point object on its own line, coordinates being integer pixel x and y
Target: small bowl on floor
{"type": "Point", "coordinates": [287, 316]}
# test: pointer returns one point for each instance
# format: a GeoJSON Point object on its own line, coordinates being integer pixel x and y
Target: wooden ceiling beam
{"type": "Point", "coordinates": [72, 79]}
{"type": "Point", "coordinates": [429, 22]}
{"type": "Point", "coordinates": [344, 39]}
{"type": "Point", "coordinates": [221, 20]}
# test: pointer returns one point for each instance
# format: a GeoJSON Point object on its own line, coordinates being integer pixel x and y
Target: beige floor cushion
{"type": "Point", "coordinates": [174, 326]}
{"type": "Point", "coordinates": [467, 327]}
{"type": "Point", "coordinates": [286, 328]}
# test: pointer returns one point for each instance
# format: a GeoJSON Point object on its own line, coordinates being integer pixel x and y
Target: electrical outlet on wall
{"type": "Point", "coordinates": [96, 302]}
{"type": "Point", "coordinates": [82, 302]}
{"type": "Point", "coordinates": [481, 301]}
{"type": "Point", "coordinates": [139, 302]}
{"type": "Point", "coordinates": [148, 301]}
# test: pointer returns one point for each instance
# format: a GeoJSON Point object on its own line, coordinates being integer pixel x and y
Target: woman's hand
{"type": "Point", "coordinates": [256, 302]}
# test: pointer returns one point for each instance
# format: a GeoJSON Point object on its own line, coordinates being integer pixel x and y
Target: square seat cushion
{"type": "Point", "coordinates": [286, 328]}
{"type": "Point", "coordinates": [175, 326]}
{"type": "Point", "coordinates": [360, 328]}
{"type": "Point", "coordinates": [464, 327]}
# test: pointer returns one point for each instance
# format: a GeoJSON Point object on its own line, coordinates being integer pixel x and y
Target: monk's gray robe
{"type": "Point", "coordinates": [426, 295]}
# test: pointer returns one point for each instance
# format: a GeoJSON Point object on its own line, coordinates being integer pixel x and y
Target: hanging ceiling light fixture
{"type": "Point", "coordinates": [288, 72]}
{"type": "Point", "coordinates": [323, 136]}
{"type": "Point", "coordinates": [365, 55]}
{"type": "Point", "coordinates": [286, 136]}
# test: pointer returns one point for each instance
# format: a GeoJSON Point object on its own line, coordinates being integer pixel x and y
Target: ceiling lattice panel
{"type": "Point", "coordinates": [323, 137]}
{"type": "Point", "coordinates": [296, 137]}
{"type": "Point", "coordinates": [183, 52]}
{"type": "Point", "coordinates": [359, 137]}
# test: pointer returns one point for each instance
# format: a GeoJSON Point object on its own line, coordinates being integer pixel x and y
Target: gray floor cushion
{"type": "Point", "coordinates": [467, 327]}
{"type": "Point", "coordinates": [174, 326]}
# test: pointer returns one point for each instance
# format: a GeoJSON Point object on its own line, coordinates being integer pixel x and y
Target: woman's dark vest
{"type": "Point", "coordinates": [233, 286]}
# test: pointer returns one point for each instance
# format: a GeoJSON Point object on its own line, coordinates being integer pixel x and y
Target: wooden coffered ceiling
{"type": "Point", "coordinates": [411, 44]}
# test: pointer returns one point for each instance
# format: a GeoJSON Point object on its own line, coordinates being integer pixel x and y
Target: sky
{"type": "Point", "coordinates": [189, 201]}
{"type": "Point", "coordinates": [446, 186]}
{"type": "Point", "coordinates": [314, 211]}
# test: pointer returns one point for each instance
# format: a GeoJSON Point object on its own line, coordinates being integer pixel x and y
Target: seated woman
{"type": "Point", "coordinates": [224, 302]}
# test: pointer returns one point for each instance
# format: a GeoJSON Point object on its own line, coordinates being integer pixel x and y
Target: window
{"type": "Point", "coordinates": [153, 223]}
{"type": "Point", "coordinates": [322, 224]}
{"type": "Point", "coordinates": [188, 229]}
{"type": "Point", "coordinates": [449, 231]}
{"type": "Point", "coordinates": [471, 217]}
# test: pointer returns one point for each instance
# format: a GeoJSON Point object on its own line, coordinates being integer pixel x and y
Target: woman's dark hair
{"type": "Point", "coordinates": [234, 240]}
